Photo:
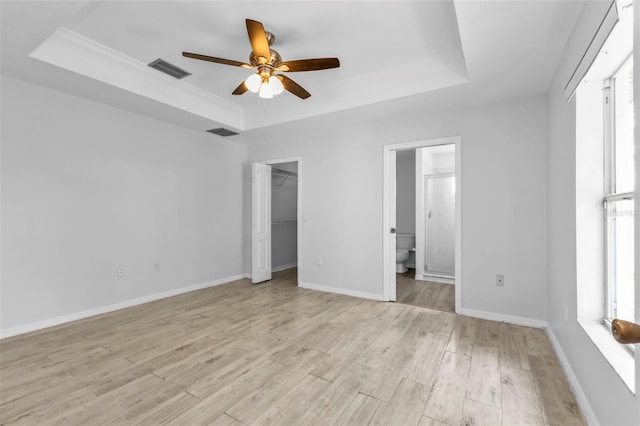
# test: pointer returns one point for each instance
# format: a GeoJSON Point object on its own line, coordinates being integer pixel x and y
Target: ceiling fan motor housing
{"type": "Point", "coordinates": [276, 59]}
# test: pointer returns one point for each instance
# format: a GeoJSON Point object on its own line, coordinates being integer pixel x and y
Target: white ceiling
{"type": "Point", "coordinates": [394, 54]}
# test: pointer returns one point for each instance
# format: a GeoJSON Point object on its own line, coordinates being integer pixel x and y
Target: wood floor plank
{"type": "Point", "coordinates": [201, 367]}
{"type": "Point", "coordinates": [293, 403]}
{"type": "Point", "coordinates": [437, 322]}
{"type": "Point", "coordinates": [477, 414]}
{"type": "Point", "coordinates": [448, 394]}
{"type": "Point", "coordinates": [513, 348]}
{"type": "Point", "coordinates": [249, 408]}
{"type": "Point", "coordinates": [226, 420]}
{"type": "Point", "coordinates": [29, 410]}
{"type": "Point", "coordinates": [127, 402]}
{"type": "Point", "coordinates": [168, 410]}
{"type": "Point", "coordinates": [463, 336]}
{"type": "Point", "coordinates": [427, 359]}
{"type": "Point", "coordinates": [384, 380]}
{"type": "Point", "coordinates": [484, 375]}
{"type": "Point", "coordinates": [118, 373]}
{"type": "Point", "coordinates": [216, 403]}
{"type": "Point", "coordinates": [487, 332]}
{"type": "Point", "coordinates": [406, 405]}
{"type": "Point", "coordinates": [330, 405]}
{"type": "Point", "coordinates": [428, 421]}
{"type": "Point", "coordinates": [373, 355]}
{"type": "Point", "coordinates": [558, 402]}
{"type": "Point", "coordinates": [17, 386]}
{"type": "Point", "coordinates": [343, 357]}
{"type": "Point", "coordinates": [520, 402]}
{"type": "Point", "coordinates": [537, 343]}
{"type": "Point", "coordinates": [361, 411]}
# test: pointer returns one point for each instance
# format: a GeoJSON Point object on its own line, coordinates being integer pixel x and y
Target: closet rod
{"type": "Point", "coordinates": [284, 172]}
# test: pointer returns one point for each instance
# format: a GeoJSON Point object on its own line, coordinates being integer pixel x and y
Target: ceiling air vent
{"type": "Point", "coordinates": [170, 69]}
{"type": "Point", "coordinates": [221, 131]}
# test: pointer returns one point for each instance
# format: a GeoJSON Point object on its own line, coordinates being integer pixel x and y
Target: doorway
{"type": "Point", "coordinates": [275, 224]}
{"type": "Point", "coordinates": [436, 253]}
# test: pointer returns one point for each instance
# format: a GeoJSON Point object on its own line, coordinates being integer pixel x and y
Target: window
{"type": "Point", "coordinates": [619, 185]}
{"type": "Point", "coordinates": [605, 180]}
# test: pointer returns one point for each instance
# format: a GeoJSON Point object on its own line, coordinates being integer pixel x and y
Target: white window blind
{"type": "Point", "coordinates": [607, 24]}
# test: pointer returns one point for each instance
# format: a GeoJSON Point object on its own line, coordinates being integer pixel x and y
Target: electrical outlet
{"type": "Point", "coordinates": [566, 313]}
{"type": "Point", "coordinates": [121, 271]}
{"type": "Point", "coordinates": [156, 267]}
{"type": "Point", "coordinates": [500, 280]}
{"type": "Point", "coordinates": [319, 261]}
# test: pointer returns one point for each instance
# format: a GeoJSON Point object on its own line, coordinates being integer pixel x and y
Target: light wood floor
{"type": "Point", "coordinates": [277, 354]}
{"type": "Point", "coordinates": [426, 294]}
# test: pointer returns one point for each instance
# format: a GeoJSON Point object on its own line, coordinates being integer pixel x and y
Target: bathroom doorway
{"type": "Point", "coordinates": [422, 223]}
{"type": "Point", "coordinates": [276, 190]}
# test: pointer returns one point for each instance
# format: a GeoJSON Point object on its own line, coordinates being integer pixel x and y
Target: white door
{"type": "Point", "coordinates": [260, 222]}
{"type": "Point", "coordinates": [392, 225]}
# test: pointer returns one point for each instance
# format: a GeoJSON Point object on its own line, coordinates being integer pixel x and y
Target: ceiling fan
{"type": "Point", "coordinates": [268, 81]}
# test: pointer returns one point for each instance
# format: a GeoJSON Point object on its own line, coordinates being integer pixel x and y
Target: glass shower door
{"type": "Point", "coordinates": [440, 225]}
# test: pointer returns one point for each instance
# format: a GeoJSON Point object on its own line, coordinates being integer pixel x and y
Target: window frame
{"type": "Point", "coordinates": [610, 192]}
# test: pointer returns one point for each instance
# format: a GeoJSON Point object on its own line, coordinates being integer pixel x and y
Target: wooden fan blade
{"type": "Point", "coordinates": [259, 42]}
{"type": "Point", "coordinates": [293, 87]}
{"type": "Point", "coordinates": [309, 65]}
{"type": "Point", "coordinates": [242, 88]}
{"type": "Point", "coordinates": [216, 60]}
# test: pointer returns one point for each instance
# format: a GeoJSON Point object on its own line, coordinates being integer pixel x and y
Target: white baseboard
{"type": "Point", "coordinates": [583, 402]}
{"type": "Point", "coordinates": [354, 293]}
{"type": "Point", "coordinates": [38, 325]}
{"type": "Point", "coordinates": [527, 322]}
{"type": "Point", "coordinates": [284, 267]}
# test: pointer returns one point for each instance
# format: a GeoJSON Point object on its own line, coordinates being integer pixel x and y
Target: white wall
{"type": "Point", "coordinates": [284, 207]}
{"type": "Point", "coordinates": [611, 401]}
{"type": "Point", "coordinates": [406, 191]}
{"type": "Point", "coordinates": [503, 200]}
{"type": "Point", "coordinates": [87, 187]}
{"type": "Point", "coordinates": [589, 192]}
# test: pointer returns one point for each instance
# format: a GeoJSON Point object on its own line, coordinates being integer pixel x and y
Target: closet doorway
{"type": "Point", "coordinates": [433, 230]}
{"type": "Point", "coordinates": [275, 224]}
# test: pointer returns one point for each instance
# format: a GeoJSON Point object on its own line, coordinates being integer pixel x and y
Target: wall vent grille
{"type": "Point", "coordinates": [221, 131]}
{"type": "Point", "coordinates": [169, 69]}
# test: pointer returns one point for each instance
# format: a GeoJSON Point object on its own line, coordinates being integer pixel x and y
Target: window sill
{"type": "Point", "coordinates": [616, 355]}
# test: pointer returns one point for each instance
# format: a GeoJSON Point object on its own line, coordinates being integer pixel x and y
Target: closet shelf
{"type": "Point", "coordinates": [284, 222]}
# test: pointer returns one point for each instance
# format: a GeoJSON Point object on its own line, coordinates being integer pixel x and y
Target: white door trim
{"type": "Point", "coordinates": [299, 213]}
{"type": "Point", "coordinates": [388, 265]}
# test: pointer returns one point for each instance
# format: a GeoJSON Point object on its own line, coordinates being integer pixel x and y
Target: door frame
{"type": "Point", "coordinates": [389, 181]}
{"type": "Point", "coordinates": [299, 207]}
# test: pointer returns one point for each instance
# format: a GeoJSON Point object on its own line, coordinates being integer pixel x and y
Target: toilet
{"type": "Point", "coordinates": [405, 244]}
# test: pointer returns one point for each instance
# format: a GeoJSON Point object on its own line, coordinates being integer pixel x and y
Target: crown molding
{"type": "Point", "coordinates": [74, 52]}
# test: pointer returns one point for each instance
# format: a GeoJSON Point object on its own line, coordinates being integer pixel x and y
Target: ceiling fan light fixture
{"type": "Point", "coordinates": [266, 91]}
{"type": "Point", "coordinates": [253, 83]}
{"type": "Point", "coordinates": [275, 85]}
